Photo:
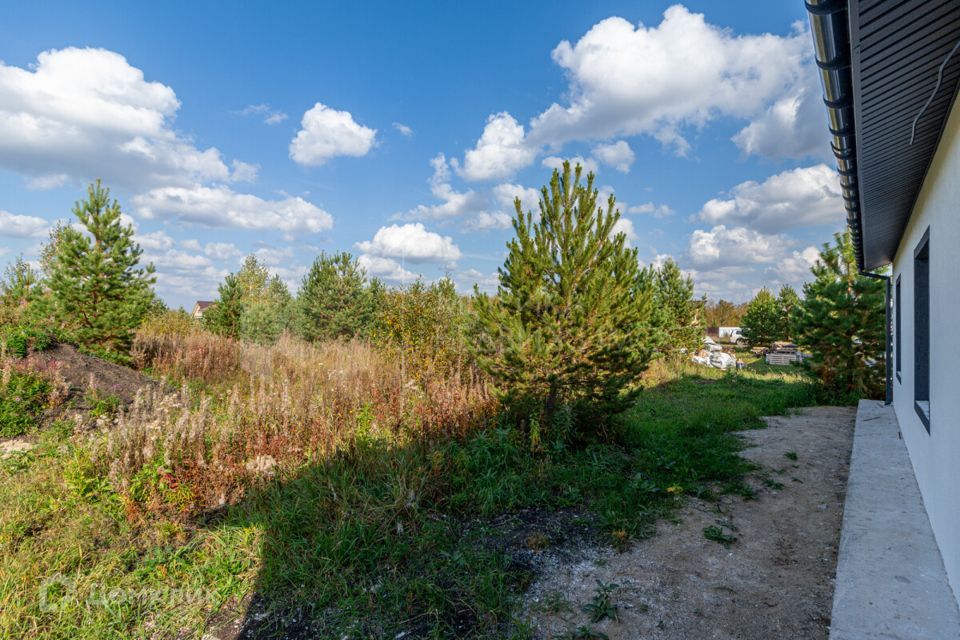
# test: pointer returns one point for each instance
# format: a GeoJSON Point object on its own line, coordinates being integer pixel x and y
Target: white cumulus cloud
{"type": "Point", "coordinates": [501, 150]}
{"type": "Point", "coordinates": [85, 113]}
{"type": "Point", "coordinates": [723, 246]}
{"type": "Point", "coordinates": [649, 208]}
{"type": "Point", "coordinates": [18, 226]}
{"type": "Point", "coordinates": [155, 241]}
{"type": "Point", "coordinates": [268, 113]}
{"type": "Point", "coordinates": [507, 193]}
{"type": "Point", "coordinates": [326, 133]}
{"type": "Point", "coordinates": [385, 268]}
{"type": "Point", "coordinates": [661, 81]}
{"type": "Point", "coordinates": [220, 206]}
{"type": "Point", "coordinates": [794, 126]}
{"type": "Point", "coordinates": [411, 242]}
{"type": "Point", "coordinates": [485, 221]}
{"type": "Point", "coordinates": [796, 266]}
{"type": "Point", "coordinates": [794, 198]}
{"type": "Point", "coordinates": [454, 204]}
{"type": "Point", "coordinates": [618, 155]}
{"type": "Point", "coordinates": [589, 165]}
{"type": "Point", "coordinates": [221, 250]}
{"type": "Point", "coordinates": [625, 226]}
{"type": "Point", "coordinates": [403, 129]}
{"type": "Point", "coordinates": [627, 80]}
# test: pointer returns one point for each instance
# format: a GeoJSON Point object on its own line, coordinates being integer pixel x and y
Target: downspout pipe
{"type": "Point", "coordinates": [887, 333]}
{"type": "Point", "coordinates": [829, 25]}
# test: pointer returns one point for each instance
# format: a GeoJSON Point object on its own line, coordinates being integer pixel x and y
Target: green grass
{"type": "Point", "coordinates": [374, 541]}
{"type": "Point", "coordinates": [717, 534]}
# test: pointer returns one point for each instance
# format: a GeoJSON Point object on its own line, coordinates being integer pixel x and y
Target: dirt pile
{"type": "Point", "coordinates": [84, 378]}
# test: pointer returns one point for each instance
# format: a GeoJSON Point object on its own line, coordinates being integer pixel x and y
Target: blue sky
{"type": "Point", "coordinates": [402, 131]}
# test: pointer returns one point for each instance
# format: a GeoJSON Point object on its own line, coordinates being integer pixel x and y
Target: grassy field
{"type": "Point", "coordinates": [382, 536]}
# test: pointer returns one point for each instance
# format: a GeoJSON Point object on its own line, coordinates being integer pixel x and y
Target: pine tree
{"type": "Point", "coordinates": [841, 322]}
{"type": "Point", "coordinates": [224, 316]}
{"type": "Point", "coordinates": [674, 296]}
{"type": "Point", "coordinates": [253, 278]}
{"type": "Point", "coordinates": [21, 284]}
{"type": "Point", "coordinates": [266, 316]}
{"type": "Point", "coordinates": [334, 301]}
{"type": "Point", "coordinates": [251, 305]}
{"type": "Point", "coordinates": [19, 291]}
{"type": "Point", "coordinates": [762, 323]}
{"type": "Point", "coordinates": [787, 301]}
{"type": "Point", "coordinates": [99, 291]}
{"type": "Point", "coordinates": [570, 324]}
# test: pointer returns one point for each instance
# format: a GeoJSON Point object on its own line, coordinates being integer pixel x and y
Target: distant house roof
{"type": "Point", "coordinates": [202, 305]}
{"type": "Point", "coordinates": [889, 72]}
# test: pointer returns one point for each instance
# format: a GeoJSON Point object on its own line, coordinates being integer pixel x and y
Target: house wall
{"type": "Point", "coordinates": [936, 455]}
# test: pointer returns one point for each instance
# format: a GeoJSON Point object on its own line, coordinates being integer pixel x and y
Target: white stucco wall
{"type": "Point", "coordinates": [936, 456]}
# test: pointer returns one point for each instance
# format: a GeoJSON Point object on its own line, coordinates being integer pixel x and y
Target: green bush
{"type": "Point", "coordinates": [23, 398]}
{"type": "Point", "coordinates": [20, 340]}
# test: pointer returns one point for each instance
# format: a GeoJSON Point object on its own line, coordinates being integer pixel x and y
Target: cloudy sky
{"type": "Point", "coordinates": [402, 133]}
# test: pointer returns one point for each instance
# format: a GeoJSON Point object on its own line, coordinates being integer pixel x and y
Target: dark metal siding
{"type": "Point", "coordinates": [898, 47]}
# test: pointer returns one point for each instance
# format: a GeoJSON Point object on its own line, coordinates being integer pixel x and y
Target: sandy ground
{"type": "Point", "coordinates": [774, 581]}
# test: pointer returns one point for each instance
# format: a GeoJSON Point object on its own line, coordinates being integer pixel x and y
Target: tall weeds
{"type": "Point", "coordinates": [264, 410]}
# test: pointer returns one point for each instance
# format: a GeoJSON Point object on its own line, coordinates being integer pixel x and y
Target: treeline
{"type": "Point", "coordinates": [573, 325]}
{"type": "Point", "coordinates": [723, 313]}
{"type": "Point", "coordinates": [769, 318]}
{"type": "Point", "coordinates": [839, 321]}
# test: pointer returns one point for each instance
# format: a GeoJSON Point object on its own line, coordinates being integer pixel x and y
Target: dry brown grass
{"type": "Point", "coordinates": [262, 410]}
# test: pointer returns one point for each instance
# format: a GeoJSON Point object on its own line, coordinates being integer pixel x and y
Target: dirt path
{"type": "Point", "coordinates": [774, 581]}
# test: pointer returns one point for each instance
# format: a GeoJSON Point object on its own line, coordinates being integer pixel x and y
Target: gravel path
{"type": "Point", "coordinates": [774, 581]}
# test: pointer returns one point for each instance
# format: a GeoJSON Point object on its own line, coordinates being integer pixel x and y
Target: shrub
{"type": "Point", "coordinates": [251, 305]}
{"type": "Point", "coordinates": [423, 327]}
{"type": "Point", "coordinates": [20, 340]}
{"type": "Point", "coordinates": [23, 397]}
{"type": "Point", "coordinates": [186, 353]}
{"type": "Point", "coordinates": [274, 408]}
{"type": "Point", "coordinates": [762, 323]}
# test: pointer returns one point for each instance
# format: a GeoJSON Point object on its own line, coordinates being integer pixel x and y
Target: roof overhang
{"type": "Point", "coordinates": [890, 71]}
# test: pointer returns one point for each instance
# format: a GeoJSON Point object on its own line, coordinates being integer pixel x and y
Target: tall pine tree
{"type": "Point", "coordinates": [570, 323]}
{"type": "Point", "coordinates": [788, 301]}
{"type": "Point", "coordinates": [99, 291]}
{"type": "Point", "coordinates": [680, 312]}
{"type": "Point", "coordinates": [841, 322]}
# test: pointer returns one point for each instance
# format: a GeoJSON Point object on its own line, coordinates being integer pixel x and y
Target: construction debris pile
{"type": "Point", "coordinates": [783, 353]}
{"type": "Point", "coordinates": [713, 355]}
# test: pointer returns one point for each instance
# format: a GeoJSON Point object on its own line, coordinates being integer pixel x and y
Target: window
{"type": "Point", "coordinates": [899, 324]}
{"type": "Point", "coordinates": [921, 329]}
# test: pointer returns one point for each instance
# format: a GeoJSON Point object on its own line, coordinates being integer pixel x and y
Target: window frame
{"type": "Point", "coordinates": [921, 330]}
{"type": "Point", "coordinates": [898, 327]}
